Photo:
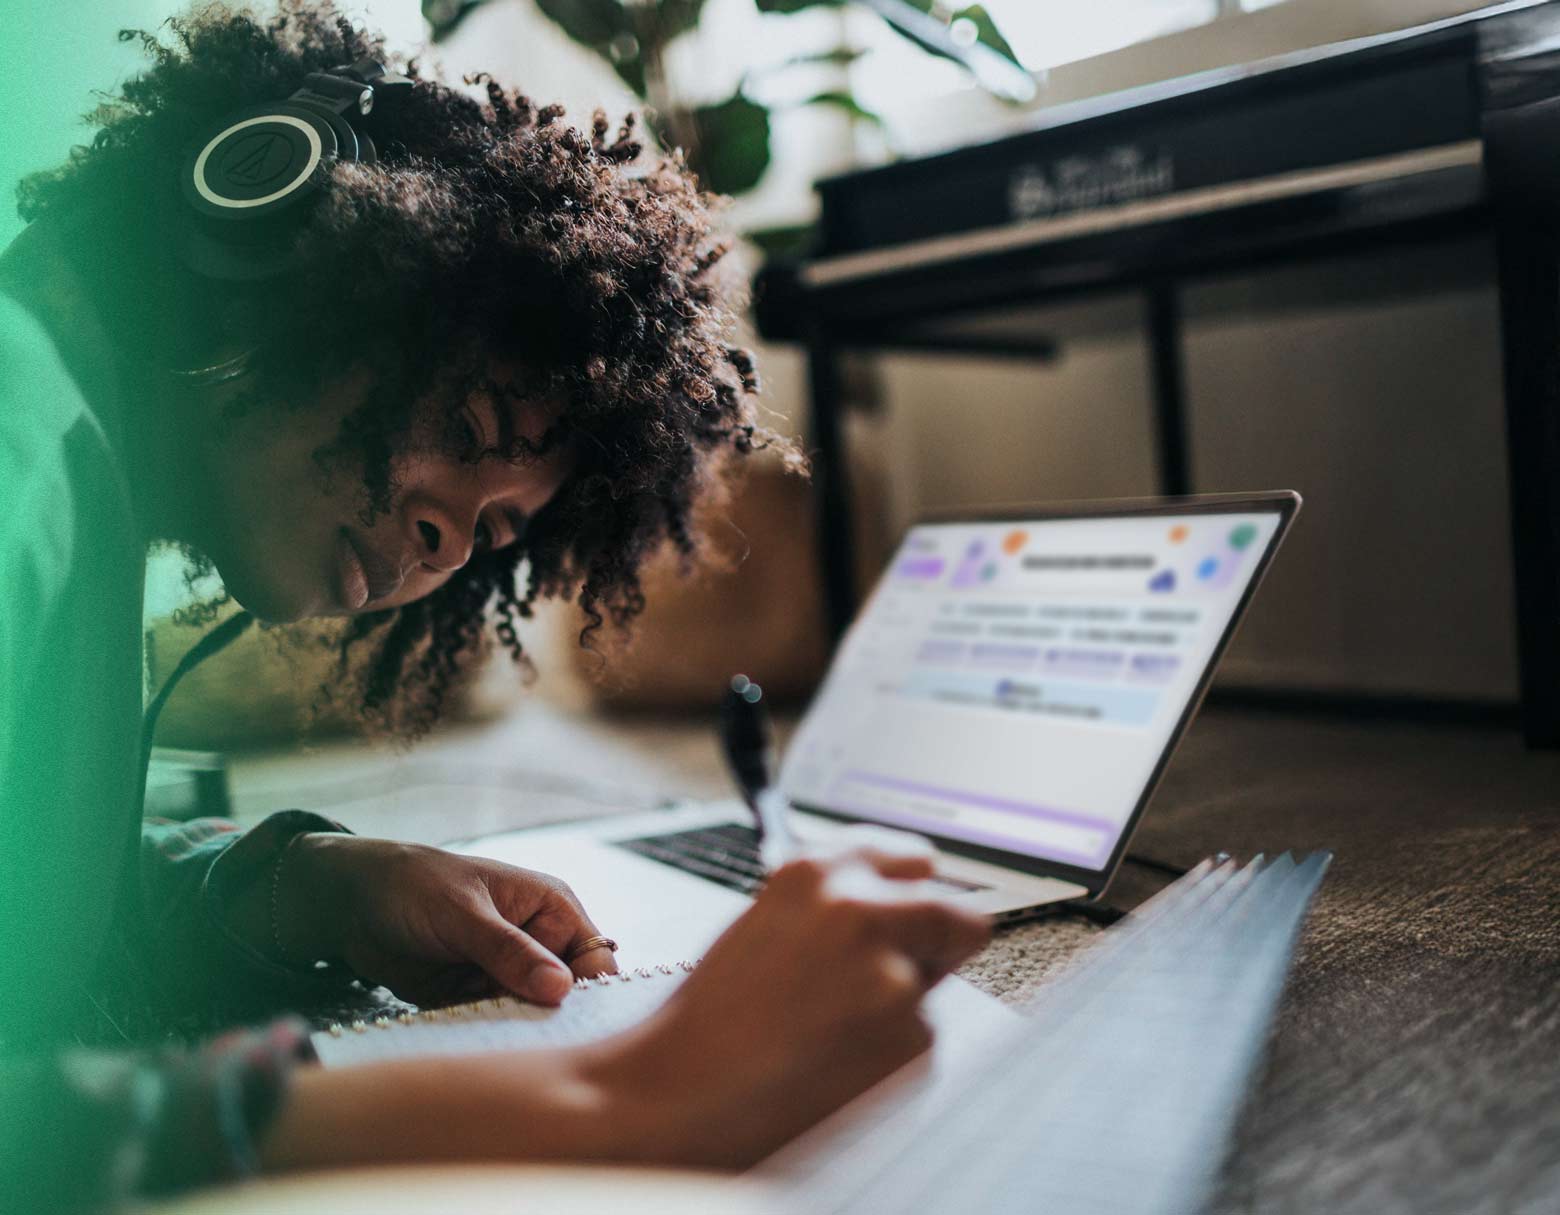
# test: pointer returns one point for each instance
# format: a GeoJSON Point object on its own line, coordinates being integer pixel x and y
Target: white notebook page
{"type": "Point", "coordinates": [961, 1018]}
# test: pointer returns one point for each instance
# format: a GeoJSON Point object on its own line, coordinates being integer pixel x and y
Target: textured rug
{"type": "Point", "coordinates": [1019, 959]}
{"type": "Point", "coordinates": [1415, 1066]}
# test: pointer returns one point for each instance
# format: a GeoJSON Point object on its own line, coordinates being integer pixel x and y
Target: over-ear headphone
{"type": "Point", "coordinates": [250, 177]}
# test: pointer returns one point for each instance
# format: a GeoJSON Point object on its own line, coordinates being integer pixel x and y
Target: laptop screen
{"type": "Point", "coordinates": [1015, 684]}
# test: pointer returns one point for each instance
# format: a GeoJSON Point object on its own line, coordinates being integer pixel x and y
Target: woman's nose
{"type": "Point", "coordinates": [441, 544]}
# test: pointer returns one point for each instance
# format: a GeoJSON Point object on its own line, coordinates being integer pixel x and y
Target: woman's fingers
{"type": "Point", "coordinates": [891, 854]}
{"type": "Point", "coordinates": [897, 866]}
{"type": "Point", "coordinates": [881, 840]}
{"type": "Point", "coordinates": [934, 934]}
{"type": "Point", "coordinates": [515, 960]}
{"type": "Point", "coordinates": [549, 911]}
{"type": "Point", "coordinates": [868, 895]}
{"type": "Point", "coordinates": [593, 962]}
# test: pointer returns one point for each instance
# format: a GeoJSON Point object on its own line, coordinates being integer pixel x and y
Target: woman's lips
{"type": "Point", "coordinates": [362, 573]}
{"type": "Point", "coordinates": [351, 578]}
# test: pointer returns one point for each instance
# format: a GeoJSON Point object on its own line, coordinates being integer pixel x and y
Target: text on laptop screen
{"type": "Point", "coordinates": [1014, 685]}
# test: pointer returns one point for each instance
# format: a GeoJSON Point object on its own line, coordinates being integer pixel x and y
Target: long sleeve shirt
{"type": "Point", "coordinates": [113, 953]}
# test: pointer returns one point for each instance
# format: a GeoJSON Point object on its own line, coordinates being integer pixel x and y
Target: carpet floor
{"type": "Point", "coordinates": [1415, 1066]}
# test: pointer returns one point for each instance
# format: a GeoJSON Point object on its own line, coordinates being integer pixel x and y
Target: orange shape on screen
{"type": "Point", "coordinates": [1014, 541]}
{"type": "Point", "coordinates": [1179, 533]}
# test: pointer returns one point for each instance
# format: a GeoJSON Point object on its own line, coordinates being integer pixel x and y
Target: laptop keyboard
{"type": "Point", "coordinates": [727, 854]}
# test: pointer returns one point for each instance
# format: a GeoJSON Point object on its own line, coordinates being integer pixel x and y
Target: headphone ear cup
{"type": "Point", "coordinates": [259, 163]}
{"type": "Point", "coordinates": [349, 144]}
{"type": "Point", "coordinates": [247, 181]}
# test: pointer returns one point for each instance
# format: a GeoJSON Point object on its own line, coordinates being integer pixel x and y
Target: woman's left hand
{"type": "Point", "coordinates": [431, 925]}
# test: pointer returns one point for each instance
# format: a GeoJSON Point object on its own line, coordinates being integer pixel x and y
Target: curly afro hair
{"type": "Point", "coordinates": [486, 231]}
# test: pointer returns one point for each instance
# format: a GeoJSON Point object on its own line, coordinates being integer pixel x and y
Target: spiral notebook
{"type": "Point", "coordinates": [597, 1008]}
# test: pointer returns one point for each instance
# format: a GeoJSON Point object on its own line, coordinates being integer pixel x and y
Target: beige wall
{"type": "Point", "coordinates": [1374, 387]}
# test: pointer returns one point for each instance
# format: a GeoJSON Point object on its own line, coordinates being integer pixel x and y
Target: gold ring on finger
{"type": "Point", "coordinates": [590, 943]}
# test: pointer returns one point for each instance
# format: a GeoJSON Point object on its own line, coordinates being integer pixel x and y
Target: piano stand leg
{"type": "Point", "coordinates": [1521, 149]}
{"type": "Point", "coordinates": [1167, 379]}
{"type": "Point", "coordinates": [831, 480]}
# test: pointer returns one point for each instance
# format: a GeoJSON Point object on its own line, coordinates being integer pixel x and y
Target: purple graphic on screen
{"type": "Point", "coordinates": [997, 654]}
{"type": "Point", "coordinates": [938, 650]}
{"type": "Point", "coordinates": [842, 796]}
{"type": "Point", "coordinates": [1090, 664]}
{"type": "Point", "coordinates": [923, 569]}
{"type": "Point", "coordinates": [1163, 581]}
{"type": "Point", "coordinates": [968, 573]}
{"type": "Point", "coordinates": [1152, 668]}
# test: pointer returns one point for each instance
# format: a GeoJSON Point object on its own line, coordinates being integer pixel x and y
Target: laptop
{"type": "Point", "coordinates": [1012, 691]}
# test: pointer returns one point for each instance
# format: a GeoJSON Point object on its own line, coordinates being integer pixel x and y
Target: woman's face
{"type": "Point", "coordinates": [290, 542]}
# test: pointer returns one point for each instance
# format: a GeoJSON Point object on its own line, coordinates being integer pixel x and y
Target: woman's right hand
{"type": "Point", "coordinates": [811, 997]}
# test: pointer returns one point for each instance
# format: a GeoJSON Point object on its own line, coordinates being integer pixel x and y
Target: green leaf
{"type": "Point", "coordinates": [620, 32]}
{"type": "Point", "coordinates": [790, 240]}
{"type": "Point", "coordinates": [842, 56]}
{"type": "Point", "coordinates": [672, 17]}
{"type": "Point", "coordinates": [733, 147]}
{"type": "Point", "coordinates": [598, 23]}
{"type": "Point", "coordinates": [844, 101]}
{"type": "Point", "coordinates": [607, 28]}
{"type": "Point", "coordinates": [796, 6]}
{"type": "Point", "coordinates": [595, 23]}
{"type": "Point", "coordinates": [987, 33]}
{"type": "Point", "coordinates": [631, 71]}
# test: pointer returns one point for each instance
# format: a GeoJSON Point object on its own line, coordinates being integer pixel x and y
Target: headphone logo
{"type": "Point", "coordinates": [258, 160]}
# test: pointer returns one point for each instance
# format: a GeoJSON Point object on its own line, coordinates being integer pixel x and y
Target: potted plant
{"type": "Point", "coordinates": [727, 142]}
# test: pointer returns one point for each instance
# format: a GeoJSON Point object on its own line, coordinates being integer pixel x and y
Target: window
{"type": "Point", "coordinates": [1043, 34]}
{"type": "Point", "coordinates": [1047, 34]}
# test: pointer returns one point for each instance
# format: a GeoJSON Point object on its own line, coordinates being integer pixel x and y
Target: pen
{"type": "Point", "coordinates": [748, 746]}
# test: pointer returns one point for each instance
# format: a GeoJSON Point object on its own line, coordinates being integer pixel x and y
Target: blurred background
{"type": "Point", "coordinates": [1369, 382]}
